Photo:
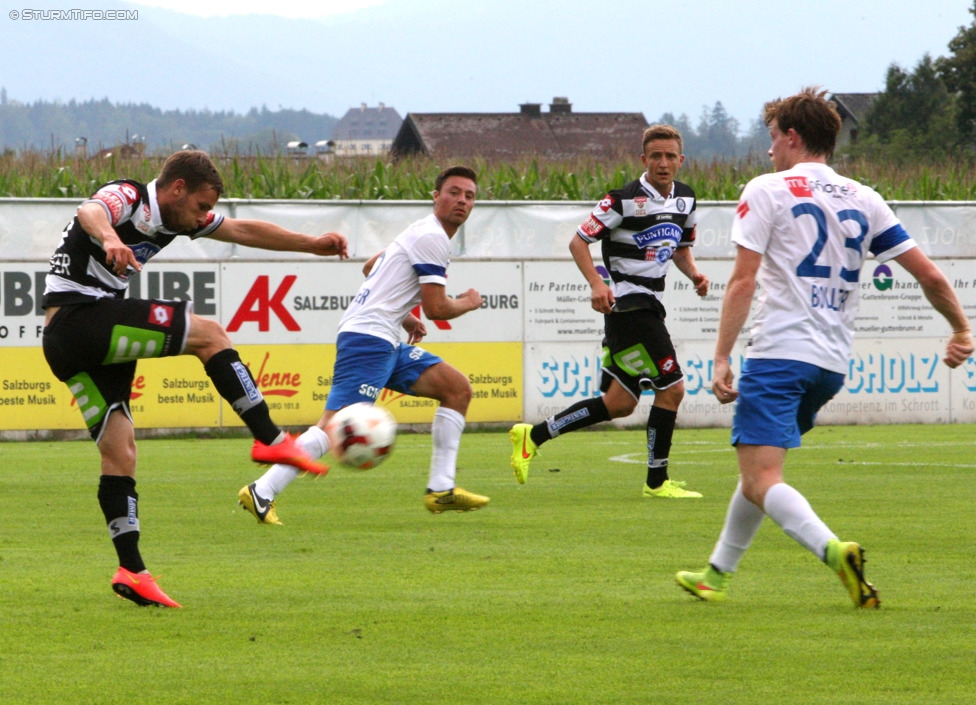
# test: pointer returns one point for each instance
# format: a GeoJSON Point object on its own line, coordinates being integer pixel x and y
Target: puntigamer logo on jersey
{"type": "Point", "coordinates": [658, 235]}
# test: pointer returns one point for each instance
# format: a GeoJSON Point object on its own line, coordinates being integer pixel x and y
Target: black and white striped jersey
{"type": "Point", "coordinates": [639, 231]}
{"type": "Point", "coordinates": [79, 273]}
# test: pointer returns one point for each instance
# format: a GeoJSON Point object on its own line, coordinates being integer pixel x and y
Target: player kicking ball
{"type": "Point", "coordinates": [370, 356]}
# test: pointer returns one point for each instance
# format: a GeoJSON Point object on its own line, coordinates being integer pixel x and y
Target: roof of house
{"type": "Point", "coordinates": [853, 105]}
{"type": "Point", "coordinates": [559, 133]}
{"type": "Point", "coordinates": [364, 123]}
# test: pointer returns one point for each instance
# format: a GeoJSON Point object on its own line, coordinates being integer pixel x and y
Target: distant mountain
{"type": "Point", "coordinates": [46, 125]}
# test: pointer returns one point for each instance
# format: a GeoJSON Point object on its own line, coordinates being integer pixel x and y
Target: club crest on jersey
{"type": "Point", "coordinates": [659, 255]}
{"type": "Point", "coordinates": [799, 187]}
{"type": "Point", "coordinates": [658, 235]}
{"type": "Point", "coordinates": [680, 205]}
{"type": "Point", "coordinates": [640, 206]}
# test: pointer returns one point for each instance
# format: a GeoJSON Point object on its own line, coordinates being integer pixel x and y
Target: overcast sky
{"type": "Point", "coordinates": [491, 55]}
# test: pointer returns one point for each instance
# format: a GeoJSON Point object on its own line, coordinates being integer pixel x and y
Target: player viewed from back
{"type": "Point", "coordinates": [370, 356]}
{"type": "Point", "coordinates": [93, 336]}
{"type": "Point", "coordinates": [642, 228]}
{"type": "Point", "coordinates": [803, 233]}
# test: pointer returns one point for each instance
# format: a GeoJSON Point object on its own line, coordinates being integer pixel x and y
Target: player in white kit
{"type": "Point", "coordinates": [412, 270]}
{"type": "Point", "coordinates": [804, 232]}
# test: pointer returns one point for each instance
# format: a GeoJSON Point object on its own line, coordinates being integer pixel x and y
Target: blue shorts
{"type": "Point", "coordinates": [779, 400]}
{"type": "Point", "coordinates": [365, 365]}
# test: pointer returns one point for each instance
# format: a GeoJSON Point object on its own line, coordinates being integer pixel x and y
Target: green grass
{"type": "Point", "coordinates": [561, 591]}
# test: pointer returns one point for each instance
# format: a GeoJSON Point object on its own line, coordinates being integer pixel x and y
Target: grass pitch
{"type": "Point", "coordinates": [560, 591]}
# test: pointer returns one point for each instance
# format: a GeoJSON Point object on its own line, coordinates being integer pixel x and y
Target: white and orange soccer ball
{"type": "Point", "coordinates": [361, 435]}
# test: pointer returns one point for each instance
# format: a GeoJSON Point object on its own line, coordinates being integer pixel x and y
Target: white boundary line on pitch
{"type": "Point", "coordinates": [641, 458]}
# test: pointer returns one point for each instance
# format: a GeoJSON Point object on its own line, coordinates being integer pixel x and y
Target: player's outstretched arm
{"type": "Point", "coordinates": [942, 296]}
{"type": "Point", "coordinates": [438, 306]}
{"type": "Point", "coordinates": [268, 236]}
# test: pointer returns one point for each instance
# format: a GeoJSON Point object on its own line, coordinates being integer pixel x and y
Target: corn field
{"type": "Point", "coordinates": [39, 175]}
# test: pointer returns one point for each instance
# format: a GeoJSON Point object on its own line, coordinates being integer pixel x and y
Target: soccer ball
{"type": "Point", "coordinates": [361, 435]}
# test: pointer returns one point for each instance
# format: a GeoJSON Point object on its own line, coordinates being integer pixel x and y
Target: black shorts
{"type": "Point", "coordinates": [93, 348]}
{"type": "Point", "coordinates": [638, 352]}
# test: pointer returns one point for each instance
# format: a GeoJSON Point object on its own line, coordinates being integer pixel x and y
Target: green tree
{"type": "Point", "coordinates": [959, 74]}
{"type": "Point", "coordinates": [718, 133]}
{"type": "Point", "coordinates": [913, 117]}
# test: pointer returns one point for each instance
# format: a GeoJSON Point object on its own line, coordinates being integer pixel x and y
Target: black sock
{"type": "Point", "coordinates": [660, 429]}
{"type": "Point", "coordinates": [118, 499]}
{"type": "Point", "coordinates": [579, 415]}
{"type": "Point", "coordinates": [234, 382]}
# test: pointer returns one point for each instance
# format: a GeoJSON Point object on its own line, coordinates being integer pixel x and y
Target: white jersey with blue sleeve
{"type": "Point", "coordinates": [419, 255]}
{"type": "Point", "coordinates": [814, 229]}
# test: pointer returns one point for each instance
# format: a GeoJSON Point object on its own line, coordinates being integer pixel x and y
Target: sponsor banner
{"type": "Point", "coordinates": [494, 371]}
{"type": "Point", "coordinates": [894, 380]}
{"type": "Point", "coordinates": [174, 392]}
{"type": "Point", "coordinates": [941, 230]}
{"type": "Point", "coordinates": [500, 317]}
{"type": "Point", "coordinates": [31, 228]}
{"type": "Point", "coordinates": [281, 303]}
{"type": "Point", "coordinates": [22, 288]}
{"type": "Point", "coordinates": [199, 283]}
{"type": "Point", "coordinates": [892, 304]}
{"type": "Point", "coordinates": [31, 397]}
{"type": "Point", "coordinates": [890, 381]}
{"type": "Point", "coordinates": [557, 304]}
{"type": "Point", "coordinates": [21, 315]}
{"type": "Point", "coordinates": [693, 317]}
{"type": "Point", "coordinates": [558, 375]}
{"type": "Point", "coordinates": [962, 393]}
{"type": "Point", "coordinates": [294, 379]}
{"type": "Point", "coordinates": [286, 303]}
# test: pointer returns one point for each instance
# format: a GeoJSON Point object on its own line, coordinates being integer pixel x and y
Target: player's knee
{"type": "Point", "coordinates": [118, 458]}
{"type": "Point", "coordinates": [455, 392]}
{"type": "Point", "coordinates": [672, 396]}
{"type": "Point", "coordinates": [207, 338]}
{"type": "Point", "coordinates": [619, 407]}
{"type": "Point", "coordinates": [460, 396]}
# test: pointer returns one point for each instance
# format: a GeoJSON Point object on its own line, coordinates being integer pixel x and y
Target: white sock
{"type": "Point", "coordinates": [445, 435]}
{"type": "Point", "coordinates": [742, 521]}
{"type": "Point", "coordinates": [796, 517]}
{"type": "Point", "coordinates": [279, 476]}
